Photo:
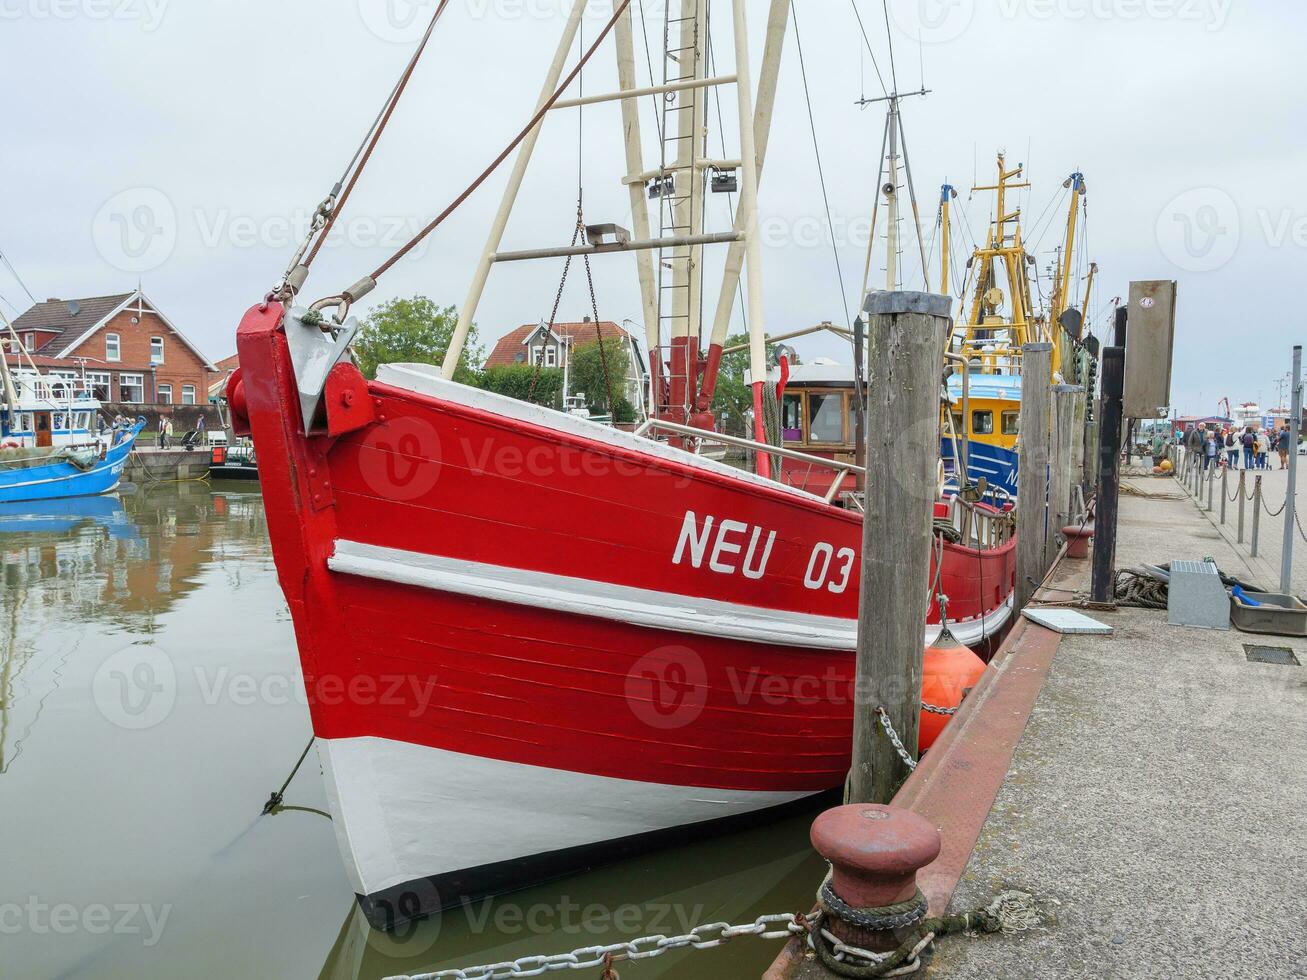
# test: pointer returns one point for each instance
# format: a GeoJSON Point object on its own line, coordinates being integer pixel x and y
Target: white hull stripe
{"type": "Point", "coordinates": [621, 603]}
{"type": "Point", "coordinates": [403, 812]}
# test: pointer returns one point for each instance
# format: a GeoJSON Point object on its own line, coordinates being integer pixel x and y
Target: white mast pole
{"type": "Point", "coordinates": [515, 179]}
{"type": "Point", "coordinates": [626, 81]}
{"type": "Point", "coordinates": [749, 210]}
{"type": "Point", "coordinates": [777, 22]}
{"type": "Point", "coordinates": [892, 201]}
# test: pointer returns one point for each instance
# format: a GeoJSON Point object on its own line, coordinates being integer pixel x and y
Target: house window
{"type": "Point", "coordinates": [551, 356]}
{"type": "Point", "coordinates": [188, 394]}
{"type": "Point", "coordinates": [982, 422]}
{"type": "Point", "coordinates": [98, 383]}
{"type": "Point", "coordinates": [1011, 422]}
{"type": "Point", "coordinates": [29, 341]}
{"type": "Point", "coordinates": [156, 350]}
{"type": "Point", "coordinates": [826, 417]}
{"type": "Point", "coordinates": [131, 388]}
{"type": "Point", "coordinates": [165, 395]}
{"type": "Point", "coordinates": [112, 347]}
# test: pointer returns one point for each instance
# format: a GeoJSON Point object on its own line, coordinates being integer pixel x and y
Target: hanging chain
{"type": "Point", "coordinates": [708, 936]}
{"type": "Point", "coordinates": [895, 740]}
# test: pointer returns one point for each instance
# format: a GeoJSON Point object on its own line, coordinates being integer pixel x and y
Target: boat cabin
{"type": "Point", "coordinates": [50, 412]}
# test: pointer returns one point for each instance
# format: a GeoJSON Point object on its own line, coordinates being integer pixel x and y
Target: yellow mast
{"type": "Point", "coordinates": [1062, 276]}
{"type": "Point", "coordinates": [1003, 247]}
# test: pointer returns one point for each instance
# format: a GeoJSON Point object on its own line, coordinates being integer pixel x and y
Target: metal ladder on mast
{"type": "Point", "coordinates": [679, 185]}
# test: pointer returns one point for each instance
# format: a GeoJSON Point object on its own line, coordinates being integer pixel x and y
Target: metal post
{"type": "Point", "coordinates": [468, 312]}
{"type": "Point", "coordinates": [1225, 490]}
{"type": "Point", "coordinates": [1109, 474]}
{"type": "Point", "coordinates": [1059, 466]}
{"type": "Point", "coordinates": [1211, 484]}
{"type": "Point", "coordinates": [1032, 468]}
{"type": "Point", "coordinates": [906, 340]}
{"type": "Point", "coordinates": [640, 227]}
{"type": "Point", "coordinates": [768, 78]}
{"type": "Point", "coordinates": [1243, 499]}
{"type": "Point", "coordinates": [1291, 491]}
{"type": "Point", "coordinates": [1257, 510]}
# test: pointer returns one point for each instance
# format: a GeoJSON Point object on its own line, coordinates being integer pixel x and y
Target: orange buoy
{"type": "Point", "coordinates": [948, 671]}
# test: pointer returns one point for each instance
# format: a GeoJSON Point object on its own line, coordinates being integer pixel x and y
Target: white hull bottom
{"type": "Point", "coordinates": [414, 819]}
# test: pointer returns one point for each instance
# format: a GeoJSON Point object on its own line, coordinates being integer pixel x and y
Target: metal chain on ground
{"type": "Point", "coordinates": [647, 947]}
{"type": "Point", "coordinates": [1010, 912]}
{"type": "Point", "coordinates": [897, 742]}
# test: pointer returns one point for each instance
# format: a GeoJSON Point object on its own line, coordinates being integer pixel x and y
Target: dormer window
{"type": "Point", "coordinates": [29, 341]}
{"type": "Point", "coordinates": [112, 347]}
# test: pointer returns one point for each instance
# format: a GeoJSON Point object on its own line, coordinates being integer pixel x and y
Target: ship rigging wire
{"type": "Point", "coordinates": [535, 120]}
{"type": "Point", "coordinates": [17, 278]}
{"type": "Point", "coordinates": [821, 174]}
{"type": "Point", "coordinates": [370, 140]}
{"type": "Point", "coordinates": [867, 44]}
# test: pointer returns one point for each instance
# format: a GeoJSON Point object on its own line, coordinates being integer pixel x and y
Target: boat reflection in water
{"type": "Point", "coordinates": [762, 871]}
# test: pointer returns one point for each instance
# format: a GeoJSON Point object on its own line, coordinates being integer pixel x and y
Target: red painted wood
{"type": "Point", "coordinates": [539, 686]}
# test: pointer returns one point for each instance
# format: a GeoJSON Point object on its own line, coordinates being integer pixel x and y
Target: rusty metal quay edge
{"type": "Point", "coordinates": [957, 781]}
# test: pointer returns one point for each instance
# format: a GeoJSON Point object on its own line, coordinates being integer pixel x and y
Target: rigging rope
{"type": "Point", "coordinates": [821, 174]}
{"type": "Point", "coordinates": [364, 153]}
{"type": "Point", "coordinates": [516, 141]}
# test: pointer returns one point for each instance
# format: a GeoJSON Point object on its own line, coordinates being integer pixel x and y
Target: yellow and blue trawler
{"type": "Point", "coordinates": [998, 316]}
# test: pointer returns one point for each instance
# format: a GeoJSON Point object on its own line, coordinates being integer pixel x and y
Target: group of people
{"type": "Point", "coordinates": [198, 437]}
{"type": "Point", "coordinates": [1225, 447]}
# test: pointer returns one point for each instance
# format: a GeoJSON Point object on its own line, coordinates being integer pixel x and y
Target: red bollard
{"type": "Point", "coordinates": [875, 853]}
{"type": "Point", "coordinates": [1077, 540]}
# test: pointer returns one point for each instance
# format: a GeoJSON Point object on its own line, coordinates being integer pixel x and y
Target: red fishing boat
{"type": "Point", "coordinates": [532, 642]}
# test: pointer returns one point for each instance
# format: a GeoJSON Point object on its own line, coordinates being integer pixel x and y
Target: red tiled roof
{"type": "Point", "coordinates": [509, 348]}
{"type": "Point", "coordinates": [68, 318]}
{"type": "Point", "coordinates": [229, 363]}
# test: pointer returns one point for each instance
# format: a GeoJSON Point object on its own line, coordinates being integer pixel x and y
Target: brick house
{"type": "Point", "coordinates": [532, 343]}
{"type": "Point", "coordinates": [129, 352]}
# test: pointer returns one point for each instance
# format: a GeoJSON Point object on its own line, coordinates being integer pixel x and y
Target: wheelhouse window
{"type": "Point", "coordinates": [1011, 422]}
{"type": "Point", "coordinates": [792, 417]}
{"type": "Point", "coordinates": [156, 350]}
{"type": "Point", "coordinates": [188, 394]}
{"type": "Point", "coordinates": [98, 384]}
{"type": "Point", "coordinates": [112, 347]}
{"type": "Point", "coordinates": [131, 388]}
{"type": "Point", "coordinates": [165, 394]}
{"type": "Point", "coordinates": [982, 422]}
{"type": "Point", "coordinates": [826, 417]}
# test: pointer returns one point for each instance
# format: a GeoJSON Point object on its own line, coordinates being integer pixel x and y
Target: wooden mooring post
{"type": "Point", "coordinates": [906, 336]}
{"type": "Point", "coordinates": [1032, 468]}
{"type": "Point", "coordinates": [1059, 466]}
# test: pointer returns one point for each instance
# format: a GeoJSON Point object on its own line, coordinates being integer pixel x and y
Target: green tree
{"type": "Point", "coordinates": [521, 381]}
{"type": "Point", "coordinates": [414, 331]}
{"type": "Point", "coordinates": [732, 397]}
{"type": "Point", "coordinates": [587, 374]}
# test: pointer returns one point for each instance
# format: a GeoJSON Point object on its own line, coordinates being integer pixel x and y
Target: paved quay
{"type": "Point", "coordinates": [1155, 805]}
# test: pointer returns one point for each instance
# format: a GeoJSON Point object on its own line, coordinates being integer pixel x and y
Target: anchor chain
{"type": "Point", "coordinates": [707, 936]}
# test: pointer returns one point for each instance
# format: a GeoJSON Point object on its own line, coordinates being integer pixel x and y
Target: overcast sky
{"type": "Point", "coordinates": [181, 141]}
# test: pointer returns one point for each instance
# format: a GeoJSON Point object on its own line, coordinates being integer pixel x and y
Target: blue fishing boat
{"type": "Point", "coordinates": [54, 443]}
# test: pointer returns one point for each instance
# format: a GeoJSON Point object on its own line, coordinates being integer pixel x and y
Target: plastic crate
{"type": "Point", "coordinates": [1281, 615]}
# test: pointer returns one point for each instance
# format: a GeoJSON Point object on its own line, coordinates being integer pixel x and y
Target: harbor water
{"type": "Point", "coordinates": [150, 702]}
